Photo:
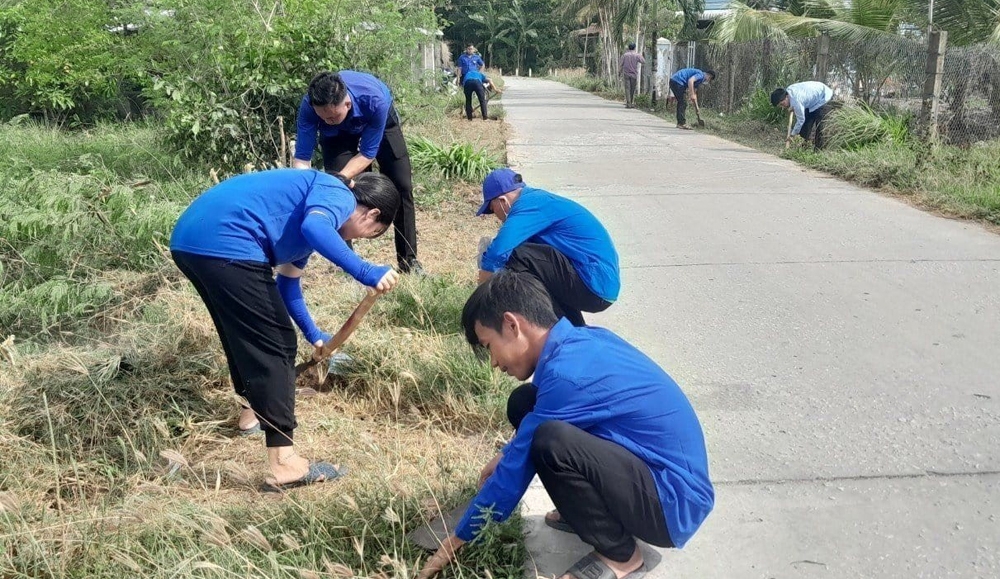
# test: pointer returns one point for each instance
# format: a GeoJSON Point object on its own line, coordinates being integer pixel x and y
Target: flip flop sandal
{"type": "Point", "coordinates": [255, 429]}
{"type": "Point", "coordinates": [591, 567]}
{"type": "Point", "coordinates": [318, 472]}
{"type": "Point", "coordinates": [558, 524]}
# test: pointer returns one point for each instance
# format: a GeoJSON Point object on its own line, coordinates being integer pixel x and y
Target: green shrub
{"type": "Point", "coordinates": [853, 127]}
{"type": "Point", "coordinates": [459, 161]}
{"type": "Point", "coordinates": [759, 108]}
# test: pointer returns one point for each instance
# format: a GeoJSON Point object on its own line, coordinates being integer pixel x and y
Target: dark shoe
{"type": "Point", "coordinates": [591, 567]}
{"type": "Point", "coordinates": [413, 268]}
{"type": "Point", "coordinates": [557, 523]}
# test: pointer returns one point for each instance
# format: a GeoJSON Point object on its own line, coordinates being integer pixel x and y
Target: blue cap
{"type": "Point", "coordinates": [498, 182]}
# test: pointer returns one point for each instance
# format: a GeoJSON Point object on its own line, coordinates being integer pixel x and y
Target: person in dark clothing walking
{"type": "Point", "coordinates": [554, 239]}
{"type": "Point", "coordinates": [612, 437]}
{"type": "Point", "coordinates": [228, 243]}
{"type": "Point", "coordinates": [630, 72]}
{"type": "Point", "coordinates": [684, 80]}
{"type": "Point", "coordinates": [353, 114]}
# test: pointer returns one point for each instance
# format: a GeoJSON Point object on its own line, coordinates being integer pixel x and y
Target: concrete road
{"type": "Point", "coordinates": [841, 347]}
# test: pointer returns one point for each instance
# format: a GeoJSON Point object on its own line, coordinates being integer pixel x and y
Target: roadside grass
{"type": "Point", "coordinates": [117, 419]}
{"type": "Point", "coordinates": [874, 150]}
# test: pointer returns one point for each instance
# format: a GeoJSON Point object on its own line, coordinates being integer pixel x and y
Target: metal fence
{"type": "Point", "coordinates": [889, 75]}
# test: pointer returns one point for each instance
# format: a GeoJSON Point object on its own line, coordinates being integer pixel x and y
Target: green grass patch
{"type": "Point", "coordinates": [458, 161]}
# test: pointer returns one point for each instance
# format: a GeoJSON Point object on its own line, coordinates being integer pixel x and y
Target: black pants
{"type": "Point", "coordinates": [474, 86]}
{"type": "Point", "coordinates": [393, 162]}
{"type": "Point", "coordinates": [680, 91]}
{"type": "Point", "coordinates": [570, 295]}
{"type": "Point", "coordinates": [606, 493]}
{"type": "Point", "coordinates": [630, 84]}
{"type": "Point", "coordinates": [257, 336]}
{"type": "Point", "coordinates": [814, 120]}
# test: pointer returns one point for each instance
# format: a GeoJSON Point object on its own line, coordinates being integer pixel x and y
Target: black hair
{"type": "Point", "coordinates": [327, 88]}
{"type": "Point", "coordinates": [470, 45]}
{"type": "Point", "coordinates": [507, 291]}
{"type": "Point", "coordinates": [778, 95]}
{"type": "Point", "coordinates": [713, 73]}
{"type": "Point", "coordinates": [376, 191]}
{"type": "Point", "coordinates": [631, 46]}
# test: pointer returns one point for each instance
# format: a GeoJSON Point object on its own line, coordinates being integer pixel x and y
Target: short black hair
{"type": "Point", "coordinates": [631, 46]}
{"type": "Point", "coordinates": [778, 95]}
{"type": "Point", "coordinates": [327, 88]}
{"type": "Point", "coordinates": [376, 191]}
{"type": "Point", "coordinates": [507, 291]}
{"type": "Point", "coordinates": [712, 73]}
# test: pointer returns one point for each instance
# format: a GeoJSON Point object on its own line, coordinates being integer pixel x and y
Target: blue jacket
{"type": "Point", "coordinates": [594, 380]}
{"type": "Point", "coordinates": [683, 75]}
{"type": "Point", "coordinates": [467, 63]}
{"type": "Point", "coordinates": [369, 112]}
{"type": "Point", "coordinates": [542, 217]}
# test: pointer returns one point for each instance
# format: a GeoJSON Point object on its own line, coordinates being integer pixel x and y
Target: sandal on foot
{"type": "Point", "coordinates": [591, 567]}
{"type": "Point", "coordinates": [558, 524]}
{"type": "Point", "coordinates": [685, 127]}
{"type": "Point", "coordinates": [318, 472]}
{"type": "Point", "coordinates": [255, 429]}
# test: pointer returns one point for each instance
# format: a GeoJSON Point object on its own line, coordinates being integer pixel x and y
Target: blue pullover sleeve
{"type": "Point", "coordinates": [371, 136]}
{"type": "Point", "coordinates": [525, 221]}
{"type": "Point", "coordinates": [319, 231]}
{"type": "Point", "coordinates": [290, 289]}
{"type": "Point", "coordinates": [307, 125]}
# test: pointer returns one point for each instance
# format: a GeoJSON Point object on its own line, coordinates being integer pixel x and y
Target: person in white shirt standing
{"type": "Point", "coordinates": [810, 101]}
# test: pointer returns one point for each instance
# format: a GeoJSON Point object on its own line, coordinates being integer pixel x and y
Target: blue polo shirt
{"type": "Point", "coordinates": [370, 110]}
{"type": "Point", "coordinates": [542, 217]}
{"type": "Point", "coordinates": [598, 382]}
{"type": "Point", "coordinates": [474, 75]}
{"type": "Point", "coordinates": [258, 216]}
{"type": "Point", "coordinates": [467, 63]}
{"type": "Point", "coordinates": [683, 75]}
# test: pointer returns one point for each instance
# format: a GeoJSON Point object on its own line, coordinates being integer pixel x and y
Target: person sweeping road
{"type": "Point", "coordinates": [554, 239]}
{"type": "Point", "coordinates": [614, 440]}
{"type": "Point", "coordinates": [229, 242]}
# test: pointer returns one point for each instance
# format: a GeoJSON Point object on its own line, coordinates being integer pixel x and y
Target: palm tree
{"type": "Point", "coordinates": [493, 24]}
{"type": "Point", "coordinates": [967, 21]}
{"type": "Point", "coordinates": [519, 27]}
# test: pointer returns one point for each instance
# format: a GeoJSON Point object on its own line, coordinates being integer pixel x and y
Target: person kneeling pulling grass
{"type": "Point", "coordinates": [227, 242]}
{"type": "Point", "coordinates": [611, 436]}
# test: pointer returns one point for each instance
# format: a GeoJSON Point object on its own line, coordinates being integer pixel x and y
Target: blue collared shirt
{"type": "Point", "coordinates": [598, 382]}
{"type": "Point", "coordinates": [806, 97]}
{"type": "Point", "coordinates": [369, 112]}
{"type": "Point", "coordinates": [542, 217]}
{"type": "Point", "coordinates": [467, 63]}
{"type": "Point", "coordinates": [683, 75]}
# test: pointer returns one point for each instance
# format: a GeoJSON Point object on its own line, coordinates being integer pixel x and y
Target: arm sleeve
{"type": "Point", "coordinates": [290, 289]}
{"type": "Point", "coordinates": [519, 227]}
{"type": "Point", "coordinates": [800, 116]}
{"type": "Point", "coordinates": [321, 234]}
{"type": "Point", "coordinates": [371, 136]}
{"type": "Point", "coordinates": [503, 490]}
{"type": "Point", "coordinates": [642, 59]}
{"type": "Point", "coordinates": [307, 126]}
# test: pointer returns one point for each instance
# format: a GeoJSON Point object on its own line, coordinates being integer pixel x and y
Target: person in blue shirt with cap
{"type": "Point", "coordinates": [684, 80]}
{"type": "Point", "coordinates": [229, 242]}
{"type": "Point", "coordinates": [810, 101]}
{"type": "Point", "coordinates": [353, 114]}
{"type": "Point", "coordinates": [554, 239]}
{"type": "Point", "coordinates": [612, 437]}
{"type": "Point", "coordinates": [469, 61]}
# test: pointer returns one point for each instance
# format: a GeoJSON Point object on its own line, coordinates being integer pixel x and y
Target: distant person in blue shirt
{"type": "Point", "coordinates": [554, 239]}
{"type": "Point", "coordinates": [470, 60]}
{"type": "Point", "coordinates": [684, 80]}
{"type": "Point", "coordinates": [810, 101]}
{"type": "Point", "coordinates": [477, 83]}
{"type": "Point", "coordinates": [612, 437]}
{"type": "Point", "coordinates": [230, 240]}
{"type": "Point", "coordinates": [353, 114]}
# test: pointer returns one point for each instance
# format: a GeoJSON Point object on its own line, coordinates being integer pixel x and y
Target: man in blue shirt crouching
{"type": "Point", "coordinates": [554, 239]}
{"type": "Point", "coordinates": [611, 436]}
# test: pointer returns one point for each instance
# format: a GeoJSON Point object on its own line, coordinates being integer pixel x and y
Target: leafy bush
{"type": "Point", "coordinates": [459, 161]}
{"type": "Point", "coordinates": [853, 127]}
{"type": "Point", "coordinates": [759, 107]}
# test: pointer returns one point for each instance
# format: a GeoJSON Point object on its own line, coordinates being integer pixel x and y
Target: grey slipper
{"type": "Point", "coordinates": [255, 429]}
{"type": "Point", "coordinates": [559, 524]}
{"type": "Point", "coordinates": [591, 567]}
{"type": "Point", "coordinates": [318, 472]}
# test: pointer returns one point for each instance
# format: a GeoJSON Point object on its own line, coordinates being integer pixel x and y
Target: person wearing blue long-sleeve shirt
{"type": "Point", "coordinates": [469, 61]}
{"type": "Point", "coordinates": [353, 115]}
{"type": "Point", "coordinates": [612, 437]}
{"type": "Point", "coordinates": [684, 80]}
{"type": "Point", "coordinates": [228, 243]}
{"type": "Point", "coordinates": [810, 101]}
{"type": "Point", "coordinates": [554, 239]}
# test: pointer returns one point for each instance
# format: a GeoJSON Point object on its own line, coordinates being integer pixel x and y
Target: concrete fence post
{"type": "Point", "coordinates": [823, 57]}
{"type": "Point", "coordinates": [937, 41]}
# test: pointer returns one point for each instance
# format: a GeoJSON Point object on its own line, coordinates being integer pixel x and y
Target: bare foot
{"type": "Point", "coordinates": [553, 516]}
{"type": "Point", "coordinates": [286, 465]}
{"type": "Point", "coordinates": [247, 419]}
{"type": "Point", "coordinates": [621, 569]}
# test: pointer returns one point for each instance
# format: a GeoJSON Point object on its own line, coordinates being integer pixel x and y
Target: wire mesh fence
{"type": "Point", "coordinates": [887, 75]}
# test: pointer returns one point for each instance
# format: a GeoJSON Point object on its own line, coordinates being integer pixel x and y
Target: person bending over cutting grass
{"type": "Point", "coordinates": [810, 101]}
{"type": "Point", "coordinates": [228, 241]}
{"type": "Point", "coordinates": [612, 437]}
{"type": "Point", "coordinates": [554, 239]}
{"type": "Point", "coordinates": [684, 80]}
